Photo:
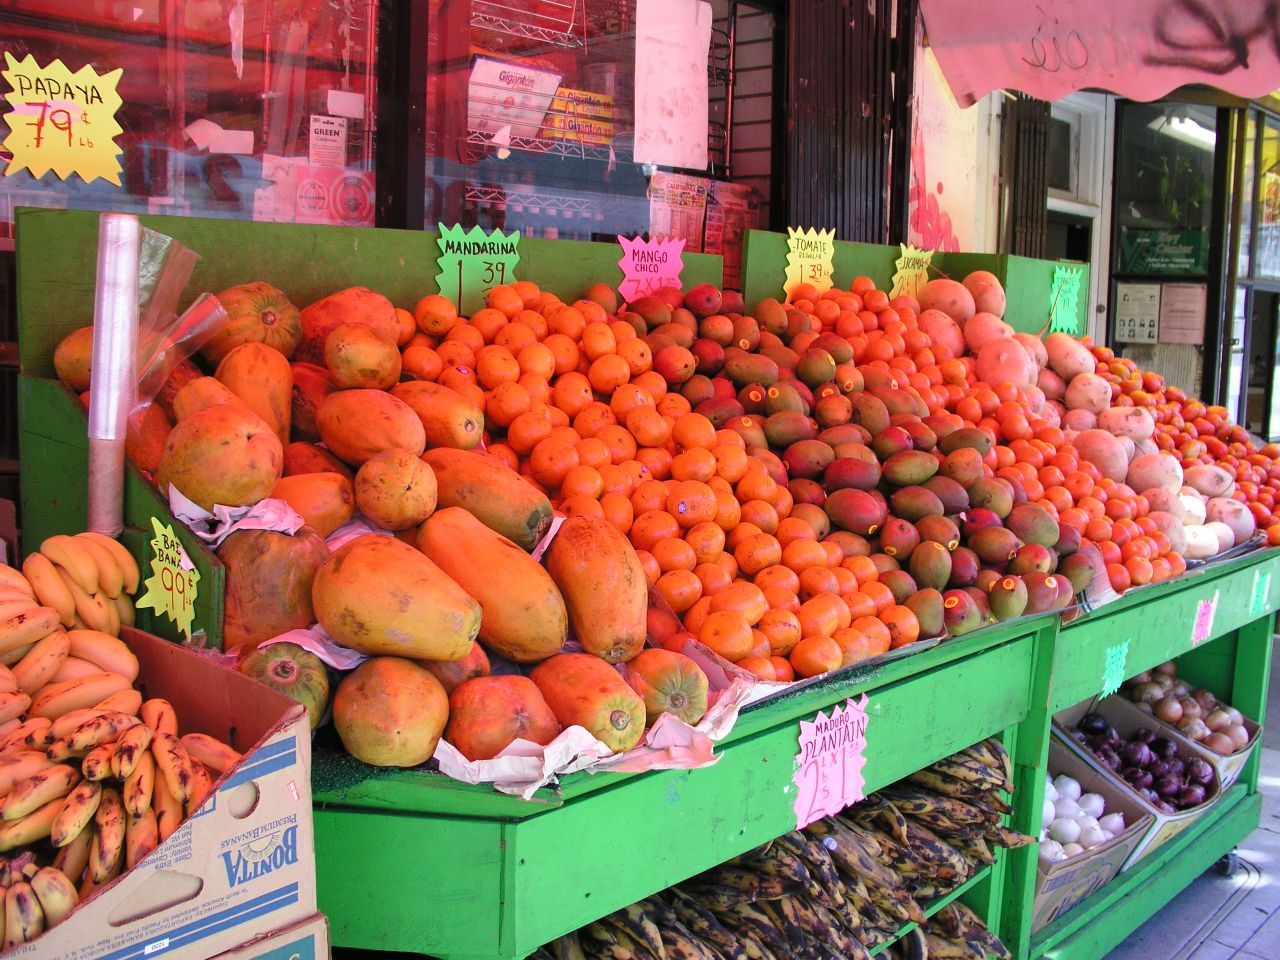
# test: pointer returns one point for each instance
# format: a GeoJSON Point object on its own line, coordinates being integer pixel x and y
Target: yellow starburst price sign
{"type": "Point", "coordinates": [62, 121]}
{"type": "Point", "coordinates": [174, 583]}
{"type": "Point", "coordinates": [809, 256]}
{"type": "Point", "coordinates": [911, 271]}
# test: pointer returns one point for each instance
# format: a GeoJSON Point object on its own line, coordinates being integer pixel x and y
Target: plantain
{"type": "Point", "coordinates": [704, 924]}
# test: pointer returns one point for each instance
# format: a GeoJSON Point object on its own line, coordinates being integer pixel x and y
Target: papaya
{"type": "Point", "coordinates": [72, 357]}
{"type": "Point", "coordinates": [357, 356]}
{"type": "Point", "coordinates": [311, 384]}
{"type": "Point", "coordinates": [379, 595]}
{"type": "Point", "coordinates": [356, 424]}
{"type": "Point", "coordinates": [450, 673]}
{"type": "Point", "coordinates": [200, 393]}
{"type": "Point", "coordinates": [395, 489]}
{"type": "Point", "coordinates": [604, 587]}
{"type": "Point", "coordinates": [324, 500]}
{"type": "Point", "coordinates": [492, 492]}
{"type": "Point", "coordinates": [390, 712]}
{"type": "Point", "coordinates": [523, 615]}
{"type": "Point", "coordinates": [448, 419]}
{"type": "Point", "coordinates": [221, 454]}
{"type": "Point", "coordinates": [668, 682]}
{"type": "Point", "coordinates": [256, 313]}
{"type": "Point", "coordinates": [268, 583]}
{"type": "Point", "coordinates": [289, 669]}
{"type": "Point", "coordinates": [179, 377]}
{"type": "Point", "coordinates": [302, 457]}
{"type": "Point", "coordinates": [487, 713]}
{"type": "Point", "coordinates": [358, 305]}
{"type": "Point", "coordinates": [260, 376]}
{"type": "Point", "coordinates": [148, 429]}
{"type": "Point", "coordinates": [584, 691]}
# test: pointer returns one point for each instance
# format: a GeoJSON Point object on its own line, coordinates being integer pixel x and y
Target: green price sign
{"type": "Point", "coordinates": [472, 261]}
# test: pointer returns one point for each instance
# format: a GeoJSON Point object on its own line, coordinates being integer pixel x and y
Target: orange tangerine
{"type": "Point", "coordinates": [782, 628]}
{"type": "Point", "coordinates": [713, 576]}
{"type": "Point", "coordinates": [435, 314]}
{"type": "Point", "coordinates": [582, 481]}
{"type": "Point", "coordinates": [902, 625]}
{"type": "Point", "coordinates": [672, 553]}
{"type": "Point", "coordinates": [648, 426]}
{"type": "Point", "coordinates": [743, 597]}
{"type": "Point", "coordinates": [581, 505]}
{"type": "Point", "coordinates": [617, 510]}
{"type": "Point", "coordinates": [726, 631]}
{"type": "Point", "coordinates": [707, 540]}
{"type": "Point", "coordinates": [694, 430]}
{"type": "Point", "coordinates": [650, 526]}
{"type": "Point", "coordinates": [778, 575]}
{"type": "Point", "coordinates": [756, 552]}
{"type": "Point", "coordinates": [815, 655]}
{"type": "Point", "coordinates": [680, 588]}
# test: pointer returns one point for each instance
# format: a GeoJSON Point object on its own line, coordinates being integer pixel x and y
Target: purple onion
{"type": "Point", "coordinates": [1164, 806]}
{"type": "Point", "coordinates": [1176, 766]}
{"type": "Point", "coordinates": [1149, 795]}
{"type": "Point", "coordinates": [1143, 735]}
{"type": "Point", "coordinates": [1163, 768]}
{"type": "Point", "coordinates": [1137, 755]}
{"type": "Point", "coordinates": [1109, 759]}
{"type": "Point", "coordinates": [1199, 773]}
{"type": "Point", "coordinates": [1137, 776]}
{"type": "Point", "coordinates": [1164, 748]}
{"type": "Point", "coordinates": [1192, 796]}
{"type": "Point", "coordinates": [1079, 736]}
{"type": "Point", "coordinates": [1169, 786]}
{"type": "Point", "coordinates": [1094, 723]}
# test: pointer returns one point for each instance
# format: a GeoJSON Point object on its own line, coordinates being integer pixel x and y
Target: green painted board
{"type": "Point", "coordinates": [57, 251]}
{"type": "Point", "coordinates": [764, 260]}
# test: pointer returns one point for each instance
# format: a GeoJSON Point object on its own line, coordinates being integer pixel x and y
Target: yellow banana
{"type": "Point", "coordinates": [34, 826]}
{"type": "Point", "coordinates": [25, 735]}
{"type": "Point", "coordinates": [104, 728]}
{"type": "Point", "coordinates": [73, 856]}
{"type": "Point", "coordinates": [72, 556]}
{"type": "Point", "coordinates": [131, 746]}
{"type": "Point", "coordinates": [42, 661]}
{"type": "Point", "coordinates": [141, 836]}
{"type": "Point", "coordinates": [73, 667]}
{"type": "Point", "coordinates": [60, 750]}
{"type": "Point", "coordinates": [126, 701]}
{"type": "Point", "coordinates": [97, 762]}
{"type": "Point", "coordinates": [108, 652]}
{"type": "Point", "coordinates": [139, 785]}
{"type": "Point", "coordinates": [174, 764]}
{"type": "Point", "coordinates": [125, 610]}
{"type": "Point", "coordinates": [59, 698]}
{"type": "Point", "coordinates": [56, 895]}
{"type": "Point", "coordinates": [168, 809]}
{"type": "Point", "coordinates": [11, 577]}
{"type": "Point", "coordinates": [13, 704]}
{"type": "Point", "coordinates": [49, 588]}
{"type": "Point", "coordinates": [8, 681]}
{"type": "Point", "coordinates": [128, 565]}
{"type": "Point", "coordinates": [66, 724]}
{"type": "Point", "coordinates": [201, 786]}
{"type": "Point", "coordinates": [110, 576]}
{"type": "Point", "coordinates": [10, 657]}
{"type": "Point", "coordinates": [52, 783]}
{"type": "Point", "coordinates": [12, 594]}
{"type": "Point", "coordinates": [76, 812]}
{"type": "Point", "coordinates": [108, 841]}
{"type": "Point", "coordinates": [95, 611]}
{"type": "Point", "coordinates": [23, 916]}
{"type": "Point", "coordinates": [159, 715]}
{"type": "Point", "coordinates": [23, 628]}
{"type": "Point", "coordinates": [210, 751]}
{"type": "Point", "coordinates": [7, 728]}
{"type": "Point", "coordinates": [19, 768]}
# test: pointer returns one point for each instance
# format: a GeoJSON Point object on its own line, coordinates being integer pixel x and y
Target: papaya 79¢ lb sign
{"type": "Point", "coordinates": [828, 774]}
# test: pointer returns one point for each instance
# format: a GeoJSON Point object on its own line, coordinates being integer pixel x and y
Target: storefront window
{"type": "Point", "coordinates": [249, 109]}
{"type": "Point", "coordinates": [586, 119]}
{"type": "Point", "coordinates": [1268, 243]}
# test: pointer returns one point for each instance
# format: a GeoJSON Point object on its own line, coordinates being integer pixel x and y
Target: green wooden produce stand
{"type": "Point", "coordinates": [411, 861]}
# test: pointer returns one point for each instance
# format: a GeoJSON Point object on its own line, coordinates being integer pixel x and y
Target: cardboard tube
{"type": "Point", "coordinates": [111, 372]}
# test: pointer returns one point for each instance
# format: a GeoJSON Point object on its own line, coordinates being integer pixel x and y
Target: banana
{"type": "Point", "coordinates": [10, 657]}
{"type": "Point", "coordinates": [65, 725]}
{"type": "Point", "coordinates": [159, 715]}
{"type": "Point", "coordinates": [107, 852]}
{"type": "Point", "coordinates": [938, 852]}
{"type": "Point", "coordinates": [126, 613]}
{"type": "Point", "coordinates": [640, 927]}
{"type": "Point", "coordinates": [13, 704]}
{"type": "Point", "coordinates": [784, 921]}
{"type": "Point", "coordinates": [174, 764]}
{"type": "Point", "coordinates": [915, 803]}
{"type": "Point", "coordinates": [128, 565]}
{"type": "Point", "coordinates": [56, 895]}
{"type": "Point", "coordinates": [110, 576]}
{"type": "Point", "coordinates": [8, 681]}
{"type": "Point", "coordinates": [704, 924]}
{"type": "Point", "coordinates": [24, 735]}
{"type": "Point", "coordinates": [18, 867]}
{"type": "Point", "coordinates": [140, 837]}
{"type": "Point", "coordinates": [42, 661]}
{"type": "Point", "coordinates": [22, 628]}
{"type": "Point", "coordinates": [109, 653]}
{"type": "Point", "coordinates": [59, 698]}
{"type": "Point", "coordinates": [74, 558]}
{"type": "Point", "coordinates": [19, 768]}
{"type": "Point", "coordinates": [72, 668]}
{"type": "Point", "coordinates": [94, 611]}
{"type": "Point", "coordinates": [1004, 837]}
{"type": "Point", "coordinates": [567, 947]}
{"type": "Point", "coordinates": [126, 701]}
{"type": "Point", "coordinates": [754, 948]}
{"type": "Point", "coordinates": [9, 608]}
{"type": "Point", "coordinates": [73, 856]}
{"type": "Point", "coordinates": [34, 826]}
{"type": "Point", "coordinates": [12, 578]}
{"type": "Point", "coordinates": [201, 787]}
{"type": "Point", "coordinates": [104, 728]}
{"type": "Point", "coordinates": [49, 588]}
{"type": "Point", "coordinates": [130, 747]}
{"type": "Point", "coordinates": [949, 786]}
{"type": "Point", "coordinates": [139, 785]}
{"type": "Point", "coordinates": [210, 751]}
{"type": "Point", "coordinates": [23, 917]}
{"type": "Point", "coordinates": [52, 783]}
{"type": "Point", "coordinates": [168, 809]}
{"type": "Point", "coordinates": [624, 935]}
{"type": "Point", "coordinates": [758, 925]}
{"type": "Point", "coordinates": [77, 811]}
{"type": "Point", "coordinates": [10, 594]}
{"type": "Point", "coordinates": [966, 767]}
{"type": "Point", "coordinates": [678, 943]}
{"type": "Point", "coordinates": [97, 762]}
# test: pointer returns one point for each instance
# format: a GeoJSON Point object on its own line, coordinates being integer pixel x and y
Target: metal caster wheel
{"type": "Point", "coordinates": [1229, 864]}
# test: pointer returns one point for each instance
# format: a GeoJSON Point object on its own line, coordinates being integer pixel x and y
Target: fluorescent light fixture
{"type": "Point", "coordinates": [1186, 130]}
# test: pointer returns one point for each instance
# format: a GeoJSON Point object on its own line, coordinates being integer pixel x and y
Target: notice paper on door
{"type": "Point", "coordinates": [1182, 310]}
{"type": "Point", "coordinates": [327, 144]}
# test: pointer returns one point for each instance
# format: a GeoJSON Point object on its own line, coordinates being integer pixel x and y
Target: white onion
{"type": "Point", "coordinates": [1112, 823]}
{"type": "Point", "coordinates": [1085, 822]}
{"type": "Point", "coordinates": [1067, 787]}
{"type": "Point", "coordinates": [1092, 804]}
{"type": "Point", "coordinates": [1064, 830]}
{"type": "Point", "coordinates": [1066, 808]}
{"type": "Point", "coordinates": [1050, 792]}
{"type": "Point", "coordinates": [1092, 837]}
{"type": "Point", "coordinates": [1071, 849]}
{"type": "Point", "coordinates": [1051, 851]}
{"type": "Point", "coordinates": [1050, 812]}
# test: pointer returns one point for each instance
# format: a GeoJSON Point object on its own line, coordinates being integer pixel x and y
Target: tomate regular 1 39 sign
{"type": "Point", "coordinates": [828, 774]}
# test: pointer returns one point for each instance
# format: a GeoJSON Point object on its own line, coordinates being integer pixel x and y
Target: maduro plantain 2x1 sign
{"type": "Point", "coordinates": [828, 774]}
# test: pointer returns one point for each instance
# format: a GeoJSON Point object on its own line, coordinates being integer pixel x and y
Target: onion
{"type": "Point", "coordinates": [1067, 787]}
{"type": "Point", "coordinates": [1144, 707]}
{"type": "Point", "coordinates": [1064, 830]}
{"type": "Point", "coordinates": [1169, 668]}
{"type": "Point", "coordinates": [1217, 719]}
{"type": "Point", "coordinates": [1109, 759]}
{"type": "Point", "coordinates": [1051, 851]}
{"type": "Point", "coordinates": [1072, 849]}
{"type": "Point", "coordinates": [1143, 677]}
{"type": "Point", "coordinates": [1191, 708]}
{"type": "Point", "coordinates": [1065, 808]}
{"type": "Point", "coordinates": [1050, 814]}
{"type": "Point", "coordinates": [1079, 736]}
{"type": "Point", "coordinates": [1193, 796]}
{"type": "Point", "coordinates": [1163, 768]}
{"type": "Point", "coordinates": [1050, 791]}
{"type": "Point", "coordinates": [1092, 804]}
{"type": "Point", "coordinates": [1176, 766]}
{"type": "Point", "coordinates": [1167, 709]}
{"type": "Point", "coordinates": [1137, 755]}
{"type": "Point", "coordinates": [1180, 688]}
{"type": "Point", "coordinates": [1147, 692]}
{"type": "Point", "coordinates": [1194, 728]}
{"type": "Point", "coordinates": [1168, 684]}
{"type": "Point", "coordinates": [1092, 836]}
{"type": "Point", "coordinates": [1235, 715]}
{"type": "Point", "coordinates": [1164, 748]}
{"type": "Point", "coordinates": [1219, 743]}
{"type": "Point", "coordinates": [1137, 776]}
{"type": "Point", "coordinates": [1093, 724]}
{"type": "Point", "coordinates": [1164, 806]}
{"type": "Point", "coordinates": [1112, 823]}
{"type": "Point", "coordinates": [1142, 735]}
{"type": "Point", "coordinates": [1238, 734]}
{"type": "Point", "coordinates": [1205, 698]}
{"type": "Point", "coordinates": [1199, 772]}
{"type": "Point", "coordinates": [1169, 786]}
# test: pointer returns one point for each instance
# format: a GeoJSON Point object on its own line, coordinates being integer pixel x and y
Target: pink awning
{"type": "Point", "coordinates": [1140, 49]}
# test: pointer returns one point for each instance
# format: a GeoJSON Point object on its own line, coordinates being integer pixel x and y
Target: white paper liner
{"type": "Point", "coordinates": [317, 641]}
{"type": "Point", "coordinates": [213, 528]}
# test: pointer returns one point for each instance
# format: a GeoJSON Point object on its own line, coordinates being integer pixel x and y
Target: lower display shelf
{"type": "Point", "coordinates": [1095, 927]}
{"type": "Point", "coordinates": [935, 905]}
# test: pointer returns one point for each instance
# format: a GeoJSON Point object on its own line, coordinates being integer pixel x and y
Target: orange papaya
{"type": "Point", "coordinates": [585, 691]}
{"type": "Point", "coordinates": [493, 493]}
{"type": "Point", "coordinates": [604, 587]}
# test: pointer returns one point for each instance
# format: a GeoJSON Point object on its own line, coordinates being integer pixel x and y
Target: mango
{"type": "Point", "coordinates": [899, 538]}
{"type": "Point", "coordinates": [1008, 598]}
{"type": "Point", "coordinates": [857, 511]}
{"type": "Point", "coordinates": [913, 503]}
{"type": "Point", "coordinates": [909, 468]}
{"type": "Point", "coordinates": [1033, 524]}
{"type": "Point", "coordinates": [930, 564]}
{"type": "Point", "coordinates": [808, 458]}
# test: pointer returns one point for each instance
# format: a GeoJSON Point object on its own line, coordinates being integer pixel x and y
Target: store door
{"type": "Point", "coordinates": [1261, 397]}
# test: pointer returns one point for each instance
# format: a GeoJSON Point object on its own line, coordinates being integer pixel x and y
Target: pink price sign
{"type": "Point", "coordinates": [1202, 628]}
{"type": "Point", "coordinates": [649, 265]}
{"type": "Point", "coordinates": [828, 774]}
